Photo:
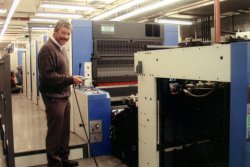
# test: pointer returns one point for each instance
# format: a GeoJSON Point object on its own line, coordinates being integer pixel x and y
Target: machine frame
{"type": "Point", "coordinates": [220, 63]}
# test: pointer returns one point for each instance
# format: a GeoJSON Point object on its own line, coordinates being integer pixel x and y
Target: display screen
{"type": "Point", "coordinates": [107, 29]}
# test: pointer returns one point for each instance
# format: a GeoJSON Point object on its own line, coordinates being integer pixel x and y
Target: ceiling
{"type": "Point", "coordinates": [182, 9]}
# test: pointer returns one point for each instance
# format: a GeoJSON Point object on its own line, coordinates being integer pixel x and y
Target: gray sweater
{"type": "Point", "coordinates": [53, 66]}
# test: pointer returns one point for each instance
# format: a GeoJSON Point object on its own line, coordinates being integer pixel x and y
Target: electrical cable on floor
{"type": "Point", "coordinates": [88, 140]}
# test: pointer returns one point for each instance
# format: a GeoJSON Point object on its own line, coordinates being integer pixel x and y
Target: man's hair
{"type": "Point", "coordinates": [62, 23]}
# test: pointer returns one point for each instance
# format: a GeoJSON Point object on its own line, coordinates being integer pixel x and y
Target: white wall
{"type": "Point", "coordinates": [13, 61]}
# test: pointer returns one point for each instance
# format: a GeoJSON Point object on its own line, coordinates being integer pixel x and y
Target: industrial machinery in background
{"type": "Point", "coordinates": [94, 105]}
{"type": "Point", "coordinates": [6, 120]}
{"type": "Point", "coordinates": [195, 111]}
{"type": "Point", "coordinates": [109, 132]}
{"type": "Point", "coordinates": [114, 48]}
{"type": "Point", "coordinates": [110, 46]}
{"type": "Point", "coordinates": [104, 52]}
{"type": "Point", "coordinates": [124, 132]}
{"type": "Point", "coordinates": [194, 123]}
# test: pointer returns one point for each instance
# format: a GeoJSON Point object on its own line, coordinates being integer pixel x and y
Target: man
{"type": "Point", "coordinates": [55, 84]}
{"type": "Point", "coordinates": [15, 88]}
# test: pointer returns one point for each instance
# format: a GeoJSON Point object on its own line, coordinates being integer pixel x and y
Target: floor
{"type": "Point", "coordinates": [102, 161]}
{"type": "Point", "coordinates": [2, 157]}
{"type": "Point", "coordinates": [29, 122]}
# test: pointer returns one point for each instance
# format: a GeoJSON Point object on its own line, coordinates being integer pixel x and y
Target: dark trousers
{"type": "Point", "coordinates": [58, 123]}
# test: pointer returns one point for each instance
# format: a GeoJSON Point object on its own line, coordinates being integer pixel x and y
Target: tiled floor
{"type": "Point", "coordinates": [29, 124]}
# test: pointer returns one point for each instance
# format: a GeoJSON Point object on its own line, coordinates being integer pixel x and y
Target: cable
{"type": "Point", "coordinates": [194, 95]}
{"type": "Point", "coordinates": [88, 140]}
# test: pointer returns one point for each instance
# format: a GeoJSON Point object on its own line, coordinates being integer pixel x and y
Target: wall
{"type": "Point", "coordinates": [13, 61]}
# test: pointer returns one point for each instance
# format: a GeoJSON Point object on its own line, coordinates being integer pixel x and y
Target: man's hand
{"type": "Point", "coordinates": [78, 79]}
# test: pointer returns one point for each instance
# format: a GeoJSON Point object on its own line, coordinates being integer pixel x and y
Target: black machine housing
{"type": "Point", "coordinates": [194, 123]}
{"type": "Point", "coordinates": [113, 57]}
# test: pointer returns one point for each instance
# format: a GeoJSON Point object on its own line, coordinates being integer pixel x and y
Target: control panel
{"type": "Point", "coordinates": [95, 131]}
{"type": "Point", "coordinates": [96, 112]}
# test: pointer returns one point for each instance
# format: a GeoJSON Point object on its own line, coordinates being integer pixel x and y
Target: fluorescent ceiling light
{"type": "Point", "coordinates": [188, 7]}
{"type": "Point", "coordinates": [59, 15]}
{"type": "Point", "coordinates": [44, 20]}
{"type": "Point", "coordinates": [38, 28]}
{"type": "Point", "coordinates": [230, 13]}
{"type": "Point", "coordinates": [118, 9]}
{"type": "Point", "coordinates": [243, 11]}
{"type": "Point", "coordinates": [102, 1]}
{"type": "Point", "coordinates": [211, 3]}
{"type": "Point", "coordinates": [66, 6]}
{"type": "Point", "coordinates": [182, 16]}
{"type": "Point", "coordinates": [3, 10]}
{"type": "Point", "coordinates": [145, 9]}
{"type": "Point", "coordinates": [15, 26]}
{"type": "Point", "coordinates": [10, 14]}
{"type": "Point", "coordinates": [179, 22]}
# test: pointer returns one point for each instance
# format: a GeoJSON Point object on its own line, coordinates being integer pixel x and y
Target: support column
{"type": "Point", "coordinates": [217, 20]}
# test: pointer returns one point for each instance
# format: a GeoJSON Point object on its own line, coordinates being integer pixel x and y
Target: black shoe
{"type": "Point", "coordinates": [68, 163]}
{"type": "Point", "coordinates": [52, 162]}
{"type": "Point", "coordinates": [55, 163]}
